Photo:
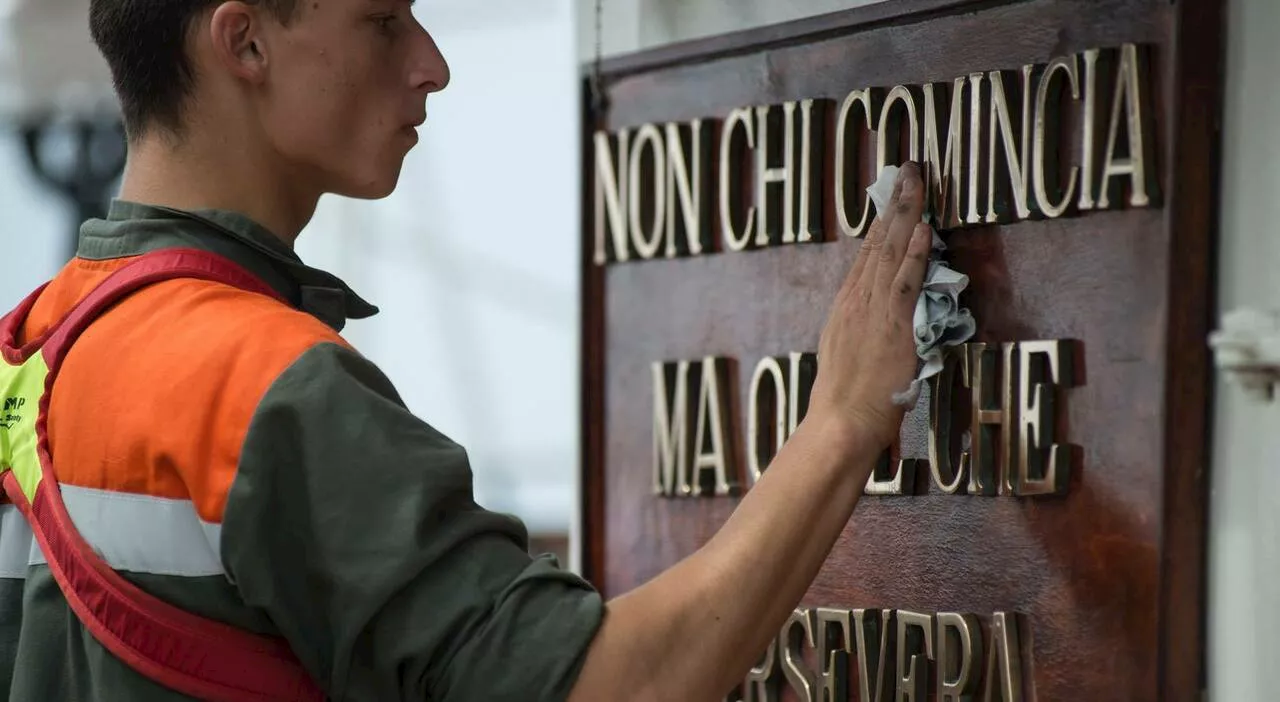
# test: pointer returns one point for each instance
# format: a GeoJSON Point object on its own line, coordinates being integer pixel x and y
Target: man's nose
{"type": "Point", "coordinates": [430, 72]}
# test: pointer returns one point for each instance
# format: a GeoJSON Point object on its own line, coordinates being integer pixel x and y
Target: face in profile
{"type": "Point", "coordinates": [345, 91]}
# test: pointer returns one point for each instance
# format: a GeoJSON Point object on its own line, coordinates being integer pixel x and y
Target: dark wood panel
{"type": "Point", "coordinates": [806, 30]}
{"type": "Point", "coordinates": [1110, 575]}
{"type": "Point", "coordinates": [1086, 568]}
{"type": "Point", "coordinates": [1195, 87]}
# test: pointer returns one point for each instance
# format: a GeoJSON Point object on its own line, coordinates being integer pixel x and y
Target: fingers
{"type": "Point", "coordinates": [905, 209]}
{"type": "Point", "coordinates": [910, 277]}
{"type": "Point", "coordinates": [870, 247]}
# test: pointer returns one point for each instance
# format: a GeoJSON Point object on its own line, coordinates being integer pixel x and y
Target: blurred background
{"type": "Point", "coordinates": [479, 328]}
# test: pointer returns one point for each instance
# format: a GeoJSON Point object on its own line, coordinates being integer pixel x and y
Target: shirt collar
{"type": "Point", "coordinates": [132, 229]}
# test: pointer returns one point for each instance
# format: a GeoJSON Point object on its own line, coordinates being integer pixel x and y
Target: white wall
{"type": "Point", "coordinates": [47, 59]}
{"type": "Point", "coordinates": [36, 230]}
{"type": "Point", "coordinates": [47, 62]}
{"type": "Point", "coordinates": [474, 260]}
{"type": "Point", "coordinates": [1244, 546]}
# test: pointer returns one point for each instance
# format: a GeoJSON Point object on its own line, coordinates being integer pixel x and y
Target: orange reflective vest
{"type": "Point", "coordinates": [193, 655]}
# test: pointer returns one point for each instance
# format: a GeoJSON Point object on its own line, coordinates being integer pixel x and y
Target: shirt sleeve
{"type": "Point", "coordinates": [352, 524]}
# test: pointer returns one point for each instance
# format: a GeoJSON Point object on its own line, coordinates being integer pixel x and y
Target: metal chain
{"type": "Point", "coordinates": [599, 100]}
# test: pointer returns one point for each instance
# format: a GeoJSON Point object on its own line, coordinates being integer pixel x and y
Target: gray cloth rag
{"type": "Point", "coordinates": [939, 319]}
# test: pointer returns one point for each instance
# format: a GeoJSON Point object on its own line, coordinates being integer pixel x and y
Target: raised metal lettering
{"type": "Point", "coordinates": [670, 428]}
{"type": "Point", "coordinates": [846, 185]}
{"type": "Point", "coordinates": [648, 139]}
{"type": "Point", "coordinates": [1048, 109]}
{"type": "Point", "coordinates": [835, 649]}
{"type": "Point", "coordinates": [875, 628]}
{"type": "Point", "coordinates": [611, 188]}
{"type": "Point", "coordinates": [810, 209]}
{"type": "Point", "coordinates": [1004, 128]}
{"type": "Point", "coordinates": [783, 176]}
{"type": "Point", "coordinates": [944, 166]}
{"type": "Point", "coordinates": [1089, 122]}
{"type": "Point", "coordinates": [767, 398]}
{"type": "Point", "coordinates": [945, 475]}
{"type": "Point", "coordinates": [792, 642]}
{"type": "Point", "coordinates": [976, 104]}
{"type": "Point", "coordinates": [890, 129]}
{"type": "Point", "coordinates": [959, 656]}
{"type": "Point", "coordinates": [711, 445]}
{"type": "Point", "coordinates": [731, 160]}
{"type": "Point", "coordinates": [1043, 466]}
{"type": "Point", "coordinates": [915, 650]}
{"type": "Point", "coordinates": [1127, 99]}
{"type": "Point", "coordinates": [1004, 667]}
{"type": "Point", "coordinates": [685, 188]}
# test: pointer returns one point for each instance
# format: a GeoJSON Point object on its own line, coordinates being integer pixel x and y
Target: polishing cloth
{"type": "Point", "coordinates": [939, 319]}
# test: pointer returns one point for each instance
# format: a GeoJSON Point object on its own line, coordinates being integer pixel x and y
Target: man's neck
{"type": "Point", "coordinates": [194, 174]}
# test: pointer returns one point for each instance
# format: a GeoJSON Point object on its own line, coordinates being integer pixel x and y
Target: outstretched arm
{"type": "Point", "coordinates": [695, 630]}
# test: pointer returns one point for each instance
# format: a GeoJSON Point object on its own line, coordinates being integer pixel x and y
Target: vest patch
{"type": "Point", "coordinates": [12, 412]}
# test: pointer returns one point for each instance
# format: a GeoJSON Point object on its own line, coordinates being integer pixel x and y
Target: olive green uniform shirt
{"type": "Point", "coordinates": [350, 530]}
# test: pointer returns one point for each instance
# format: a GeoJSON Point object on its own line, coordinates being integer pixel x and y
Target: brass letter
{"type": "Point", "coordinates": [783, 175]}
{"type": "Point", "coordinates": [835, 646]}
{"type": "Point", "coordinates": [1043, 466]}
{"type": "Point", "coordinates": [610, 195]}
{"type": "Point", "coordinates": [712, 407]}
{"type": "Point", "coordinates": [670, 429]}
{"type": "Point", "coordinates": [649, 136]}
{"type": "Point", "coordinates": [885, 480]}
{"type": "Point", "coordinates": [765, 441]}
{"type": "Point", "coordinates": [875, 667]}
{"type": "Point", "coordinates": [959, 656]}
{"type": "Point", "coordinates": [987, 463]}
{"type": "Point", "coordinates": [685, 191]}
{"type": "Point", "coordinates": [945, 476]}
{"type": "Point", "coordinates": [1129, 92]}
{"type": "Point", "coordinates": [761, 683]}
{"type": "Point", "coordinates": [792, 642]}
{"type": "Point", "coordinates": [889, 130]}
{"type": "Point", "coordinates": [731, 181]}
{"type": "Point", "coordinates": [846, 185]}
{"type": "Point", "coordinates": [1048, 105]}
{"type": "Point", "coordinates": [1002, 126]}
{"type": "Point", "coordinates": [810, 171]}
{"type": "Point", "coordinates": [975, 145]}
{"type": "Point", "coordinates": [1004, 667]}
{"type": "Point", "coordinates": [944, 170]}
{"type": "Point", "coordinates": [915, 637]}
{"type": "Point", "coordinates": [1089, 147]}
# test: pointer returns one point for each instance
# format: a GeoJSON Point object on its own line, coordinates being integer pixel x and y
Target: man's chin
{"type": "Point", "coordinates": [370, 189]}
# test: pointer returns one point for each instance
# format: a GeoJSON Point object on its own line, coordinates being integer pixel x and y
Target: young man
{"type": "Point", "coordinates": [229, 453]}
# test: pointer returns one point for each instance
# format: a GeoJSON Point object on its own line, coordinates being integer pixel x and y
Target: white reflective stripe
{"type": "Point", "coordinates": [15, 542]}
{"type": "Point", "coordinates": [142, 534]}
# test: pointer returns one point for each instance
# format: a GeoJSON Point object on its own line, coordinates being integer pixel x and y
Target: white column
{"type": "Point", "coordinates": [1244, 527]}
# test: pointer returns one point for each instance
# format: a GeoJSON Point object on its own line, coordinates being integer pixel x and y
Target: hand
{"type": "Point", "coordinates": [867, 351]}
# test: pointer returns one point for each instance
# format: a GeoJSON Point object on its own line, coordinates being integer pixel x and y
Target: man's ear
{"type": "Point", "coordinates": [235, 31]}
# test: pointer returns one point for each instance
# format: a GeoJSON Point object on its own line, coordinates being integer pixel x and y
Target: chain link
{"type": "Point", "coordinates": [599, 101]}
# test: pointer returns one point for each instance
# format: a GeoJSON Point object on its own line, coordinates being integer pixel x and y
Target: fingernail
{"type": "Point", "coordinates": [910, 184]}
{"type": "Point", "coordinates": [908, 176]}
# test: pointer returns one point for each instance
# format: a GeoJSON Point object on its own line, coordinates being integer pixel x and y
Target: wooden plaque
{"type": "Point", "coordinates": [1092, 292]}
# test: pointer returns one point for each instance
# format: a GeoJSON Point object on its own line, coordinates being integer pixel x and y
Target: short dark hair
{"type": "Point", "coordinates": [145, 45]}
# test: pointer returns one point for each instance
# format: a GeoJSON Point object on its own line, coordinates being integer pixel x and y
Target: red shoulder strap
{"type": "Point", "coordinates": [199, 657]}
